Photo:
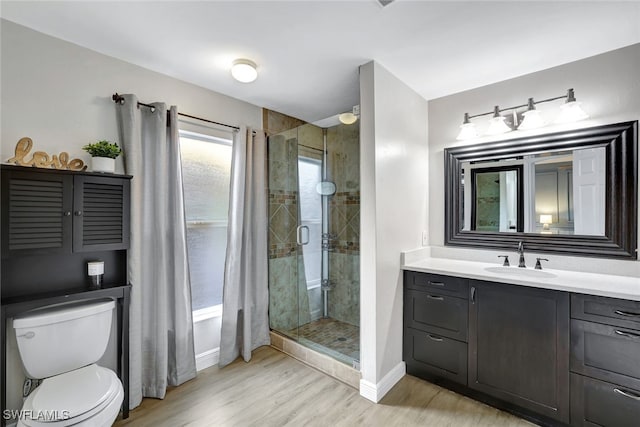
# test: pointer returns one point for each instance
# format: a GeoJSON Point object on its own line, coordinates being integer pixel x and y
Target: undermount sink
{"type": "Point", "coordinates": [521, 272]}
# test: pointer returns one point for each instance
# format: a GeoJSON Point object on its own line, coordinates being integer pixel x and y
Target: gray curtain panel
{"type": "Point", "coordinates": [161, 332]}
{"type": "Point", "coordinates": [245, 321]}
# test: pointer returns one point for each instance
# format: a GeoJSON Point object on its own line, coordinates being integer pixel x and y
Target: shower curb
{"type": "Point", "coordinates": [321, 362]}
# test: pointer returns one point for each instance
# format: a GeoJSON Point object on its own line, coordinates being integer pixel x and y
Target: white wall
{"type": "Point", "coordinates": [609, 89]}
{"type": "Point", "coordinates": [394, 195]}
{"type": "Point", "coordinates": [59, 94]}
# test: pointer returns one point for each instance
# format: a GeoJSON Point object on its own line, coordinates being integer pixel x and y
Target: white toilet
{"type": "Point", "coordinates": [61, 344]}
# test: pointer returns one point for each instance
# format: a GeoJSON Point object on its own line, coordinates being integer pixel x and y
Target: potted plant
{"type": "Point", "coordinates": [103, 155]}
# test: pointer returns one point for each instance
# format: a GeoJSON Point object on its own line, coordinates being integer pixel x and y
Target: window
{"type": "Point", "coordinates": [206, 171]}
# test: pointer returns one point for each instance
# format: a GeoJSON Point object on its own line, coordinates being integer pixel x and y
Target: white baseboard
{"type": "Point", "coordinates": [375, 392]}
{"type": "Point", "coordinates": [207, 359]}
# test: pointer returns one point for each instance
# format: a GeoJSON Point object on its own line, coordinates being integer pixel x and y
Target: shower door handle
{"type": "Point", "coordinates": [299, 235]}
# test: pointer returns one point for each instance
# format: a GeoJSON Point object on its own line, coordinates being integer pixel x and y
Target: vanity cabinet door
{"type": "Point", "coordinates": [36, 213]}
{"type": "Point", "coordinates": [519, 346]}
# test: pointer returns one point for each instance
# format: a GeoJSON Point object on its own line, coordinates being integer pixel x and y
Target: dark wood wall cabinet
{"type": "Point", "coordinates": [46, 212]}
{"type": "Point", "coordinates": [552, 357]}
{"type": "Point", "coordinates": [53, 223]}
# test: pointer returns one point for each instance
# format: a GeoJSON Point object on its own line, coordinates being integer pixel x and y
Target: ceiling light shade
{"type": "Point", "coordinates": [244, 70]}
{"type": "Point", "coordinates": [532, 117]}
{"type": "Point", "coordinates": [497, 124]}
{"type": "Point", "coordinates": [347, 118]}
{"type": "Point", "coordinates": [467, 129]}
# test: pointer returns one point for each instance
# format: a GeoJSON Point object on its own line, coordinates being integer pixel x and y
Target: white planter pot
{"type": "Point", "coordinates": [103, 164]}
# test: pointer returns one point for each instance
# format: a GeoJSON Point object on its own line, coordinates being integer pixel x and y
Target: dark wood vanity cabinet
{"type": "Point", "coordinates": [435, 326]}
{"type": "Point", "coordinates": [549, 356]}
{"type": "Point", "coordinates": [56, 212]}
{"type": "Point", "coordinates": [605, 361]}
{"type": "Point", "coordinates": [519, 346]}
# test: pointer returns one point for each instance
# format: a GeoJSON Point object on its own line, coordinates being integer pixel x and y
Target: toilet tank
{"type": "Point", "coordinates": [57, 339]}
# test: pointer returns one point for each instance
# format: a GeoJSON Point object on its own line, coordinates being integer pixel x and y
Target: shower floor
{"type": "Point", "coordinates": [337, 339]}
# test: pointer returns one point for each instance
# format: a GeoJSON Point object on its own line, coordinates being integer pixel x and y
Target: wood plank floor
{"type": "Point", "coordinates": [277, 390]}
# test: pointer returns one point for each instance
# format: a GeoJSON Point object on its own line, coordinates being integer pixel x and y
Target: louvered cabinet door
{"type": "Point", "coordinates": [36, 213]}
{"type": "Point", "coordinates": [100, 213]}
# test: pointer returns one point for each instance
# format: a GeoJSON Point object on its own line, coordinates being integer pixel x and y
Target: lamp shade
{"type": "Point", "coordinates": [571, 112]}
{"type": "Point", "coordinates": [467, 131]}
{"type": "Point", "coordinates": [532, 120]}
{"type": "Point", "coordinates": [497, 126]}
{"type": "Point", "coordinates": [546, 219]}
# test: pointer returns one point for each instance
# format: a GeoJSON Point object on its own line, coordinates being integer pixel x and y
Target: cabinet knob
{"type": "Point", "coordinates": [66, 213]}
{"type": "Point", "coordinates": [78, 213]}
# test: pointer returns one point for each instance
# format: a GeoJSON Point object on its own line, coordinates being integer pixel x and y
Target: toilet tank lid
{"type": "Point", "coordinates": [61, 313]}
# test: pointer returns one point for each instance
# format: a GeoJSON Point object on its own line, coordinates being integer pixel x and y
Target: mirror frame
{"type": "Point", "coordinates": [621, 192]}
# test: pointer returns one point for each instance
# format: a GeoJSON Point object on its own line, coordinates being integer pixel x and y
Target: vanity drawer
{"type": "Point", "coordinates": [599, 403]}
{"type": "Point", "coordinates": [442, 285]}
{"type": "Point", "coordinates": [433, 355]}
{"type": "Point", "coordinates": [439, 314]}
{"type": "Point", "coordinates": [606, 310]}
{"type": "Point", "coordinates": [610, 353]}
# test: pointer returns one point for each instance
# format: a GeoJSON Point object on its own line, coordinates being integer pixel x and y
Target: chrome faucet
{"type": "Point", "coordinates": [521, 263]}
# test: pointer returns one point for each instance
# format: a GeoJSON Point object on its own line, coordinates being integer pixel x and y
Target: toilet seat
{"type": "Point", "coordinates": [83, 393]}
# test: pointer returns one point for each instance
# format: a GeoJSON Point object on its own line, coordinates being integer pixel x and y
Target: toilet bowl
{"type": "Point", "coordinates": [61, 344]}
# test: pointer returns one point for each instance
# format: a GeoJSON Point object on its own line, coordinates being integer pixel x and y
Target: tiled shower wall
{"type": "Point", "coordinates": [343, 146]}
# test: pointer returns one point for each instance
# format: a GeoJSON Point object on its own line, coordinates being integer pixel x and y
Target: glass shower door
{"type": "Point", "coordinates": [289, 300]}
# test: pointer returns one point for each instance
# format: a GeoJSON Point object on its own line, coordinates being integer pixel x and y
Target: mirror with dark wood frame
{"type": "Point", "coordinates": [573, 192]}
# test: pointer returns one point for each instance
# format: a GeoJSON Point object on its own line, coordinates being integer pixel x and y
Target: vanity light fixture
{"type": "Point", "coordinates": [244, 70]}
{"type": "Point", "coordinates": [570, 111]}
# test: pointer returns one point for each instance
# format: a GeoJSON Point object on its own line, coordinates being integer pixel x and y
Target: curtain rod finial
{"type": "Point", "coordinates": [118, 99]}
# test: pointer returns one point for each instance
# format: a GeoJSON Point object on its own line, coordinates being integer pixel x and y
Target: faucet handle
{"type": "Point", "coordinates": [506, 260]}
{"type": "Point", "coordinates": [538, 265]}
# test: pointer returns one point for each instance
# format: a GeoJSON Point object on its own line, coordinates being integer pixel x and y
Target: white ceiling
{"type": "Point", "coordinates": [308, 52]}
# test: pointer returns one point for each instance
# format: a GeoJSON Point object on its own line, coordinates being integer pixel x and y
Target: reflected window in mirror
{"type": "Point", "coordinates": [495, 198]}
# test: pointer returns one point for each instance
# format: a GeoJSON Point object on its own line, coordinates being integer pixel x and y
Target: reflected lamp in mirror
{"type": "Point", "coordinates": [545, 220]}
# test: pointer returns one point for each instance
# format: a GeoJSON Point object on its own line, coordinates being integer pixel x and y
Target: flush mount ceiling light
{"type": "Point", "coordinates": [244, 70]}
{"type": "Point", "coordinates": [347, 118]}
{"type": "Point", "coordinates": [570, 111]}
{"type": "Point", "coordinates": [350, 117]}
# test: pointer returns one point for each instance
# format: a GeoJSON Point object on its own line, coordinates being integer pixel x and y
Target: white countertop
{"type": "Point", "coordinates": [625, 287]}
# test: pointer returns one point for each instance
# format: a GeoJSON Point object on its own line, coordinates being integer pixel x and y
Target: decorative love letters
{"type": "Point", "coordinates": [40, 159]}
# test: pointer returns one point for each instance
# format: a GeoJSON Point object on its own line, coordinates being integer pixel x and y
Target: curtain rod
{"type": "Point", "coordinates": [119, 99]}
